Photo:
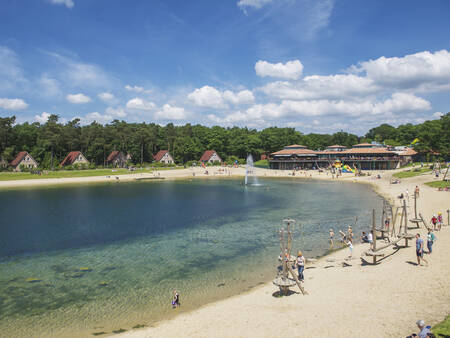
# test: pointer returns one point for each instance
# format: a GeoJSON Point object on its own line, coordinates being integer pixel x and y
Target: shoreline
{"type": "Point", "coordinates": [258, 301]}
{"type": "Point", "coordinates": [263, 320]}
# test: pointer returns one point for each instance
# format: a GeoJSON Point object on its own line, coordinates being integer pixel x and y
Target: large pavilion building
{"type": "Point", "coordinates": [364, 156]}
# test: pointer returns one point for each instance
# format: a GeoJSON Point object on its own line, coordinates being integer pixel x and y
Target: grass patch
{"type": "Point", "coordinates": [443, 328]}
{"type": "Point", "coordinates": [261, 164]}
{"type": "Point", "coordinates": [12, 176]}
{"type": "Point", "coordinates": [412, 173]}
{"type": "Point", "coordinates": [439, 184]}
{"type": "Point", "coordinates": [119, 331]}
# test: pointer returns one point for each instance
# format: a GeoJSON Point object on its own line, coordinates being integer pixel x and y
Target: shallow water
{"type": "Point", "coordinates": [89, 259]}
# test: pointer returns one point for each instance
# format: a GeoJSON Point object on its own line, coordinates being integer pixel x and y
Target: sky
{"type": "Point", "coordinates": [315, 65]}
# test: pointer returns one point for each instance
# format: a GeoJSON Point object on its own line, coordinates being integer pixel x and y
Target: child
{"type": "Point", "coordinates": [331, 237]}
{"type": "Point", "coordinates": [440, 220]}
{"type": "Point", "coordinates": [300, 265]}
{"type": "Point", "coordinates": [434, 221]}
{"type": "Point", "coordinates": [350, 246]}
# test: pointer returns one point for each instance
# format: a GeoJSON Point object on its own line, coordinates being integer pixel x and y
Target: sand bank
{"type": "Point", "coordinates": [346, 298]}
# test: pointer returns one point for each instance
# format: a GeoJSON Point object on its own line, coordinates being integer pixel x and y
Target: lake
{"type": "Point", "coordinates": [82, 260]}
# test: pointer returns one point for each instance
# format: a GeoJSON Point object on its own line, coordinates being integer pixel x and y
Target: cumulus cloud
{"type": "Point", "coordinates": [42, 118]}
{"type": "Point", "coordinates": [423, 71]}
{"type": "Point", "coordinates": [13, 104]}
{"type": "Point", "coordinates": [49, 86]}
{"type": "Point", "coordinates": [211, 97]}
{"type": "Point", "coordinates": [136, 89]}
{"type": "Point", "coordinates": [319, 87]}
{"type": "Point", "coordinates": [169, 112]}
{"type": "Point", "coordinates": [107, 97]}
{"type": "Point", "coordinates": [11, 73]}
{"type": "Point", "coordinates": [289, 70]}
{"type": "Point", "coordinates": [207, 96]}
{"type": "Point", "coordinates": [438, 115]}
{"type": "Point", "coordinates": [140, 104]}
{"type": "Point", "coordinates": [97, 117]}
{"type": "Point", "coordinates": [242, 97]}
{"type": "Point", "coordinates": [116, 112]}
{"type": "Point", "coordinates": [67, 3]}
{"type": "Point", "coordinates": [78, 98]}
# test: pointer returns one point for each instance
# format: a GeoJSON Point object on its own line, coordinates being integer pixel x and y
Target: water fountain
{"type": "Point", "coordinates": [250, 172]}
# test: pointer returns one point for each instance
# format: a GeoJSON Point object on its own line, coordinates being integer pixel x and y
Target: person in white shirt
{"type": "Point", "coordinates": [300, 265]}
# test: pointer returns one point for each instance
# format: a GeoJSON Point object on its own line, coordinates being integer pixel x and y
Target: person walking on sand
{"type": "Point", "coordinates": [300, 265]}
{"type": "Point", "coordinates": [430, 240]}
{"type": "Point", "coordinates": [331, 238]}
{"type": "Point", "coordinates": [440, 220]}
{"type": "Point", "coordinates": [434, 221]}
{"type": "Point", "coordinates": [419, 250]}
{"type": "Point", "coordinates": [417, 191]}
{"type": "Point", "coordinates": [407, 194]}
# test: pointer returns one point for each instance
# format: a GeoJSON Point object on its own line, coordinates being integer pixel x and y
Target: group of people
{"type": "Point", "coordinates": [346, 239]}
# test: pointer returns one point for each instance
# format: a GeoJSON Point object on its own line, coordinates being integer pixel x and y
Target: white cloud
{"type": "Point", "coordinates": [136, 89]}
{"type": "Point", "coordinates": [207, 96]}
{"type": "Point", "coordinates": [13, 104]}
{"type": "Point", "coordinates": [107, 97]}
{"type": "Point", "coordinates": [97, 117]}
{"type": "Point", "coordinates": [67, 3]}
{"type": "Point", "coordinates": [290, 70]}
{"type": "Point", "coordinates": [320, 87]}
{"type": "Point", "coordinates": [438, 115]}
{"type": "Point", "coordinates": [242, 97]}
{"type": "Point", "coordinates": [169, 112]}
{"type": "Point", "coordinates": [78, 98]}
{"type": "Point", "coordinates": [253, 3]}
{"type": "Point", "coordinates": [424, 71]}
{"type": "Point", "coordinates": [49, 86]}
{"type": "Point", "coordinates": [79, 74]}
{"type": "Point", "coordinates": [116, 112]}
{"type": "Point", "coordinates": [11, 73]}
{"type": "Point", "coordinates": [211, 97]}
{"type": "Point", "coordinates": [42, 118]}
{"type": "Point", "coordinates": [140, 104]}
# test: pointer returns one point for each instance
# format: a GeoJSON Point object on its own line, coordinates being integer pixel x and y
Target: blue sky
{"type": "Point", "coordinates": [316, 65]}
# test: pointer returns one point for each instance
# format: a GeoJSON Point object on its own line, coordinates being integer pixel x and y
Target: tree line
{"type": "Point", "coordinates": [50, 142]}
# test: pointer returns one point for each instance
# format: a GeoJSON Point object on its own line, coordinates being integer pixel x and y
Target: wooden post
{"type": "Point", "coordinates": [374, 236]}
{"type": "Point", "coordinates": [448, 215]}
{"type": "Point", "coordinates": [406, 222]}
{"type": "Point", "coordinates": [415, 204]}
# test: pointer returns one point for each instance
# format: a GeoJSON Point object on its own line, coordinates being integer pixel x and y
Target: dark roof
{"type": "Point", "coordinates": [159, 155]}
{"type": "Point", "coordinates": [113, 156]}
{"type": "Point", "coordinates": [207, 155]}
{"type": "Point", "coordinates": [70, 158]}
{"type": "Point", "coordinates": [363, 145]}
{"type": "Point", "coordinates": [18, 159]}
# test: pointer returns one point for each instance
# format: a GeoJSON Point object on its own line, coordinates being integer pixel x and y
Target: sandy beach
{"type": "Point", "coordinates": [346, 298]}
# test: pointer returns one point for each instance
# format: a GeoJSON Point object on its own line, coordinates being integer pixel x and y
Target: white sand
{"type": "Point", "coordinates": [344, 301]}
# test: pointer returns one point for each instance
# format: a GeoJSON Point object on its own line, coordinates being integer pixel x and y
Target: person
{"type": "Point", "coordinates": [300, 265]}
{"type": "Point", "coordinates": [175, 299]}
{"type": "Point", "coordinates": [417, 191]}
{"type": "Point", "coordinates": [424, 331]}
{"type": "Point", "coordinates": [370, 237]}
{"type": "Point", "coordinates": [440, 220]}
{"type": "Point", "coordinates": [350, 233]}
{"type": "Point", "coordinates": [400, 196]}
{"type": "Point", "coordinates": [407, 194]}
{"type": "Point", "coordinates": [434, 221]}
{"type": "Point", "coordinates": [331, 237]}
{"type": "Point", "coordinates": [364, 238]}
{"type": "Point", "coordinates": [419, 249]}
{"type": "Point", "coordinates": [350, 247]}
{"type": "Point", "coordinates": [430, 240]}
{"type": "Point", "coordinates": [386, 223]}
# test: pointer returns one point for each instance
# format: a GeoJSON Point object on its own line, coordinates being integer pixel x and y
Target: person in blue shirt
{"type": "Point", "coordinates": [419, 250]}
{"type": "Point", "coordinates": [430, 240]}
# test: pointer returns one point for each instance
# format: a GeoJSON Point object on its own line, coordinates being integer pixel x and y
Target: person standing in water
{"type": "Point", "coordinates": [175, 299]}
{"type": "Point", "coordinates": [331, 238]}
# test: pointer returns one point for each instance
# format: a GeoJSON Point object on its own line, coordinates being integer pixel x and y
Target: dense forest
{"type": "Point", "coordinates": [49, 143]}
